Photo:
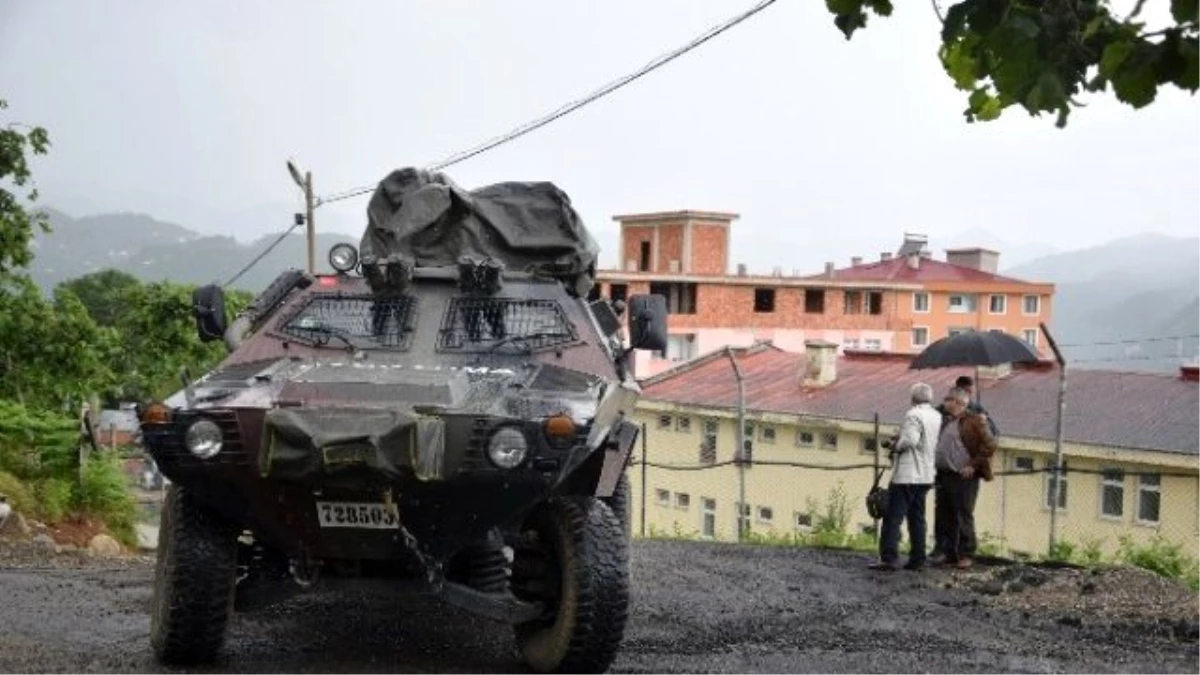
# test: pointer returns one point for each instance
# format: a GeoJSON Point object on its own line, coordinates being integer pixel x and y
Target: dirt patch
{"type": "Point", "coordinates": [77, 532]}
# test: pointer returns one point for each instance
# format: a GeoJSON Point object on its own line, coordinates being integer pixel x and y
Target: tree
{"type": "Point", "coordinates": [1043, 54]}
{"type": "Point", "coordinates": [103, 294]}
{"type": "Point", "coordinates": [16, 222]}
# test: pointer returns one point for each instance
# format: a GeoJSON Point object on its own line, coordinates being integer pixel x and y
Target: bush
{"type": "Point", "coordinates": [20, 497]}
{"type": "Point", "coordinates": [1161, 557]}
{"type": "Point", "coordinates": [55, 497]}
{"type": "Point", "coordinates": [1062, 551]}
{"type": "Point", "coordinates": [104, 494]}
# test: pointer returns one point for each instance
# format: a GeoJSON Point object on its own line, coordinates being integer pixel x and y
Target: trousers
{"type": "Point", "coordinates": [905, 503]}
{"type": "Point", "coordinates": [954, 515]}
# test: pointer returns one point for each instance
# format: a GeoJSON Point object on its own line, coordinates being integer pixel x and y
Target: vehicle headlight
{"type": "Point", "coordinates": [508, 447]}
{"type": "Point", "coordinates": [203, 439]}
{"type": "Point", "coordinates": [343, 257]}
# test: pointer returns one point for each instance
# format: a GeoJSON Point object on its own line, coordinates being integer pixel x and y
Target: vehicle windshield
{"type": "Point", "coordinates": [360, 321]}
{"type": "Point", "coordinates": [485, 324]}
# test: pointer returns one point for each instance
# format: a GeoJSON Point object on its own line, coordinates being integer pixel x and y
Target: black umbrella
{"type": "Point", "coordinates": [975, 348]}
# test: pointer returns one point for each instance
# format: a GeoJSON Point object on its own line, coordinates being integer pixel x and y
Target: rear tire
{"type": "Point", "coordinates": [194, 581]}
{"type": "Point", "coordinates": [585, 581]}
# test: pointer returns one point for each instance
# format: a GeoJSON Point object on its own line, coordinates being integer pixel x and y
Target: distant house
{"type": "Point", "coordinates": [1131, 446]}
{"type": "Point", "coordinates": [897, 302]}
{"type": "Point", "coordinates": [117, 428]}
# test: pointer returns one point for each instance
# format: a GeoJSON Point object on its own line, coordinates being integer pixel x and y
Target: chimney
{"type": "Point", "coordinates": [820, 363]}
{"type": "Point", "coordinates": [913, 260]}
{"type": "Point", "coordinates": [1189, 373]}
{"type": "Point", "coordinates": [995, 372]}
{"type": "Point", "coordinates": [829, 270]}
{"type": "Point", "coordinates": [885, 256]}
{"type": "Point", "coordinates": [981, 259]}
{"type": "Point", "coordinates": [856, 261]}
{"type": "Point", "coordinates": [741, 269]}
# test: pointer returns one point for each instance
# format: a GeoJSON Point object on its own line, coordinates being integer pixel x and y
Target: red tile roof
{"type": "Point", "coordinates": [1127, 410]}
{"type": "Point", "coordinates": [930, 270]}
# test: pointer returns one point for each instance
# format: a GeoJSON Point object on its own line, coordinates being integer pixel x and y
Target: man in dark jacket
{"type": "Point", "coordinates": [941, 536]}
{"type": "Point", "coordinates": [964, 456]}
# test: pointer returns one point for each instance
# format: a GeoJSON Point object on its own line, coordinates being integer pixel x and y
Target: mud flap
{"type": "Point", "coordinates": [616, 456]}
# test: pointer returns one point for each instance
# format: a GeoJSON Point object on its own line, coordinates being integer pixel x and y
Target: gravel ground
{"type": "Point", "coordinates": [696, 608]}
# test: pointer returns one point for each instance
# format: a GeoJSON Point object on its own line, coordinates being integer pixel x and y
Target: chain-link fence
{"type": "Point", "coordinates": [806, 483]}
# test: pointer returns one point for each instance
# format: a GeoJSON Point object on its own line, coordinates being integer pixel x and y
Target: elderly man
{"type": "Point", "coordinates": [964, 455]}
{"type": "Point", "coordinates": [912, 475]}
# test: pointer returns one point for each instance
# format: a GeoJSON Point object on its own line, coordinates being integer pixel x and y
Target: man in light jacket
{"type": "Point", "coordinates": [912, 475]}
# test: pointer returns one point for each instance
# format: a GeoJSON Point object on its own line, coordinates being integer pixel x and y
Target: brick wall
{"type": "Point", "coordinates": [670, 247]}
{"type": "Point", "coordinates": [710, 249]}
{"type": "Point", "coordinates": [632, 238]}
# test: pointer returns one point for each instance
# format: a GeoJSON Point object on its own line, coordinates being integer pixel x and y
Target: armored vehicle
{"type": "Point", "coordinates": [447, 414]}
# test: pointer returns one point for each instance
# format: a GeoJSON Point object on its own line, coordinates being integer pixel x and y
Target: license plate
{"type": "Point", "coordinates": [373, 516]}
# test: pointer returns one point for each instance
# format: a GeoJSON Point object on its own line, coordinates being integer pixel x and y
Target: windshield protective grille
{"type": "Point", "coordinates": [482, 324]}
{"type": "Point", "coordinates": [366, 321]}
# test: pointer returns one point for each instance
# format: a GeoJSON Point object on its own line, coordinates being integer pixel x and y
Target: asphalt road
{"type": "Point", "coordinates": [696, 608]}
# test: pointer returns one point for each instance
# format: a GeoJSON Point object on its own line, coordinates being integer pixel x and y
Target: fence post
{"type": "Point", "coordinates": [643, 503]}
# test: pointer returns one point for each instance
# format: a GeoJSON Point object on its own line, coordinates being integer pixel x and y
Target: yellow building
{"type": "Point", "coordinates": [1131, 447]}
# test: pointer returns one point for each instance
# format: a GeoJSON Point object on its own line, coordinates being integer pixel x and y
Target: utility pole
{"type": "Point", "coordinates": [310, 204]}
{"type": "Point", "coordinates": [1056, 477]}
{"type": "Point", "coordinates": [743, 515]}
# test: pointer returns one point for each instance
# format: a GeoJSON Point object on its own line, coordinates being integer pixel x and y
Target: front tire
{"type": "Point", "coordinates": [583, 576]}
{"type": "Point", "coordinates": [619, 502]}
{"type": "Point", "coordinates": [194, 581]}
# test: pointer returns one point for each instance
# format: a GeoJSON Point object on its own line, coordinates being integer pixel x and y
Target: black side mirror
{"type": "Point", "coordinates": [648, 322]}
{"type": "Point", "coordinates": [208, 305]}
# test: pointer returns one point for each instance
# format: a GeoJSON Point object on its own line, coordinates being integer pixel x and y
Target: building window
{"type": "Point", "coordinates": [681, 296]}
{"type": "Point", "coordinates": [765, 514]}
{"type": "Point", "coordinates": [1112, 493]}
{"type": "Point", "coordinates": [998, 304]}
{"type": "Point", "coordinates": [708, 444]}
{"type": "Point", "coordinates": [805, 439]}
{"type": "Point", "coordinates": [764, 300]}
{"type": "Point", "coordinates": [708, 517]}
{"type": "Point", "coordinates": [868, 444]}
{"type": "Point", "coordinates": [920, 336]}
{"type": "Point", "coordinates": [683, 501]}
{"type": "Point", "coordinates": [767, 435]}
{"type": "Point", "coordinates": [683, 424]}
{"type": "Point", "coordinates": [681, 347]}
{"type": "Point", "coordinates": [618, 292]}
{"type": "Point", "coordinates": [1149, 497]}
{"type": "Point", "coordinates": [814, 301]}
{"type": "Point", "coordinates": [663, 497]}
{"type": "Point", "coordinates": [875, 302]}
{"type": "Point", "coordinates": [962, 304]}
{"type": "Point", "coordinates": [850, 343]}
{"type": "Point", "coordinates": [1030, 335]}
{"type": "Point", "coordinates": [803, 521]}
{"type": "Point", "coordinates": [664, 421]}
{"type": "Point", "coordinates": [1023, 464]}
{"type": "Point", "coordinates": [1062, 486]}
{"type": "Point", "coordinates": [1031, 305]}
{"type": "Point", "coordinates": [921, 303]}
{"type": "Point", "coordinates": [644, 258]}
{"type": "Point", "coordinates": [873, 344]}
{"type": "Point", "coordinates": [829, 440]}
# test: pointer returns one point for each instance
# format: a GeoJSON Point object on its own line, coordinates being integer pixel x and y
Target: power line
{"type": "Point", "coordinates": [1132, 341]}
{"type": "Point", "coordinates": [261, 255]}
{"type": "Point", "coordinates": [572, 106]}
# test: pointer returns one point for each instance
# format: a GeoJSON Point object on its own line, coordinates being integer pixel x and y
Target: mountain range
{"type": "Point", "coordinates": [1115, 304]}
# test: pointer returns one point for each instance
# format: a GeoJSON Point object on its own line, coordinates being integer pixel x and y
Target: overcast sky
{"type": "Point", "coordinates": [826, 148]}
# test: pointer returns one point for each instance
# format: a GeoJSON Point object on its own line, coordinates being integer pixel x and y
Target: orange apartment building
{"type": "Point", "coordinates": [896, 303]}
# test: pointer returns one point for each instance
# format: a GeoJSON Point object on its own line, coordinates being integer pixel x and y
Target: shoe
{"type": "Point", "coordinates": [914, 566]}
{"type": "Point", "coordinates": [964, 563]}
{"type": "Point", "coordinates": [884, 567]}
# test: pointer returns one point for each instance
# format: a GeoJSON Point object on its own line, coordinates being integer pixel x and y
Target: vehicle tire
{"type": "Point", "coordinates": [619, 502]}
{"type": "Point", "coordinates": [194, 580]}
{"type": "Point", "coordinates": [586, 583]}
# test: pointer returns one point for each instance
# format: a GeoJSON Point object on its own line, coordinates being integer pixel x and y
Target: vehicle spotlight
{"type": "Point", "coordinates": [343, 257]}
{"type": "Point", "coordinates": [203, 439]}
{"type": "Point", "coordinates": [507, 448]}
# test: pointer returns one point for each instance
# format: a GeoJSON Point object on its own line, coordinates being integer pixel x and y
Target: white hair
{"type": "Point", "coordinates": [921, 393]}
